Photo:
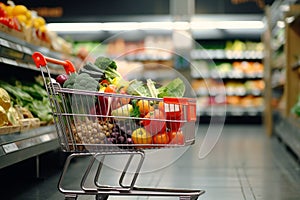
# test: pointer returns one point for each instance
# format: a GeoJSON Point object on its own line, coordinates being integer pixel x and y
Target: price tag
{"type": "Point", "coordinates": [45, 138]}
{"type": "Point", "coordinates": [172, 108]}
{"type": "Point", "coordinates": [4, 43]}
{"type": "Point", "coordinates": [8, 148]}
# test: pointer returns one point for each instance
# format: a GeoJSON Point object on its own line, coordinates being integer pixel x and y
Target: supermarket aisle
{"type": "Point", "coordinates": [244, 165]}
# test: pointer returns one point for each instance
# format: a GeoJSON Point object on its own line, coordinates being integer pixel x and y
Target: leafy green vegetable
{"type": "Point", "coordinates": [92, 70]}
{"type": "Point", "coordinates": [135, 112]}
{"type": "Point", "coordinates": [35, 90]}
{"type": "Point", "coordinates": [152, 89]}
{"type": "Point", "coordinates": [138, 88]}
{"type": "Point", "coordinates": [41, 109]}
{"type": "Point", "coordinates": [296, 108]}
{"type": "Point", "coordinates": [19, 96]}
{"type": "Point", "coordinates": [31, 96]}
{"type": "Point", "coordinates": [175, 88]}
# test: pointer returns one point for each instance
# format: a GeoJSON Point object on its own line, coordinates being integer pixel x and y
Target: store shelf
{"type": "Point", "coordinates": [18, 144]}
{"type": "Point", "coordinates": [226, 75]}
{"type": "Point", "coordinates": [139, 57]}
{"type": "Point", "coordinates": [241, 93]}
{"type": "Point", "coordinates": [229, 82]}
{"type": "Point", "coordinates": [291, 137]}
{"type": "Point", "coordinates": [228, 110]}
{"type": "Point", "coordinates": [21, 145]}
{"type": "Point", "coordinates": [17, 52]}
{"type": "Point", "coordinates": [226, 54]}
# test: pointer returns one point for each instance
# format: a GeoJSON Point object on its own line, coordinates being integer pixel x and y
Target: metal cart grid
{"type": "Point", "coordinates": [94, 124]}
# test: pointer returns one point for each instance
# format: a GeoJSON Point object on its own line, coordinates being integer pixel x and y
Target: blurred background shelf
{"type": "Point", "coordinates": [21, 145]}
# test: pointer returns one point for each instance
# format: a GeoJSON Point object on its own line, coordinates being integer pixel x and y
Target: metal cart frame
{"type": "Point", "coordinates": [71, 125]}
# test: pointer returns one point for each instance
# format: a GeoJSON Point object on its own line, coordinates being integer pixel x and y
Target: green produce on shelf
{"type": "Point", "coordinates": [296, 108]}
{"type": "Point", "coordinates": [31, 96]}
{"type": "Point", "coordinates": [41, 109]}
{"type": "Point", "coordinates": [224, 67]}
{"type": "Point", "coordinates": [17, 95]}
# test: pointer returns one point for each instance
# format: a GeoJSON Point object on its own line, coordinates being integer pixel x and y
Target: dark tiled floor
{"type": "Point", "coordinates": [244, 165]}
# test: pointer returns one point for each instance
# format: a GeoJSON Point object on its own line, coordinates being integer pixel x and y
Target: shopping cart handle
{"type": "Point", "coordinates": [41, 61]}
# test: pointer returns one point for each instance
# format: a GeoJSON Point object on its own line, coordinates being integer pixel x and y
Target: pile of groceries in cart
{"type": "Point", "coordinates": [96, 106]}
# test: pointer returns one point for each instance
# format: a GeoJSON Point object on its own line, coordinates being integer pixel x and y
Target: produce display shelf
{"type": "Point", "coordinates": [228, 111]}
{"type": "Point", "coordinates": [17, 52]}
{"type": "Point", "coordinates": [229, 75]}
{"type": "Point", "coordinates": [21, 145]}
{"type": "Point", "coordinates": [205, 92]}
{"type": "Point", "coordinates": [226, 54]}
{"type": "Point", "coordinates": [148, 57]}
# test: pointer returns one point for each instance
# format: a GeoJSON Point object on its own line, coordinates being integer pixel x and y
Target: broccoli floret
{"type": "Point", "coordinates": [70, 82]}
{"type": "Point", "coordinates": [109, 66]}
{"type": "Point", "coordinates": [81, 81]}
{"type": "Point", "coordinates": [104, 62]}
{"type": "Point", "coordinates": [85, 82]}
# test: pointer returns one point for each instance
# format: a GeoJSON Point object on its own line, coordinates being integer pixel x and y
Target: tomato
{"type": "Point", "coordinates": [161, 138]}
{"type": "Point", "coordinates": [2, 12]}
{"type": "Point", "coordinates": [111, 89]}
{"type": "Point", "coordinates": [104, 82]}
{"type": "Point", "coordinates": [176, 137]}
{"type": "Point", "coordinates": [15, 24]}
{"type": "Point", "coordinates": [154, 122]}
{"type": "Point", "coordinates": [5, 21]}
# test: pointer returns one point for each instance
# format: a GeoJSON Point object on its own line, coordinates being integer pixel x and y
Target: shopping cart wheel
{"type": "Point", "coordinates": [102, 197]}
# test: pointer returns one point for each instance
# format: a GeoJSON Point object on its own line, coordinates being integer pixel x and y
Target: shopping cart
{"type": "Point", "coordinates": [95, 125]}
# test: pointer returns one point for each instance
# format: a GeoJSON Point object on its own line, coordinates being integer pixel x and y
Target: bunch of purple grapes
{"type": "Point", "coordinates": [121, 132]}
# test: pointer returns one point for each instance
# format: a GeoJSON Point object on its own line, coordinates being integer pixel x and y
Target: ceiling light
{"type": "Point", "coordinates": [124, 26]}
{"type": "Point", "coordinates": [74, 27]}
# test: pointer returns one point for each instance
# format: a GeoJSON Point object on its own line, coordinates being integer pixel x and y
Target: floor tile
{"type": "Point", "coordinates": [244, 164]}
